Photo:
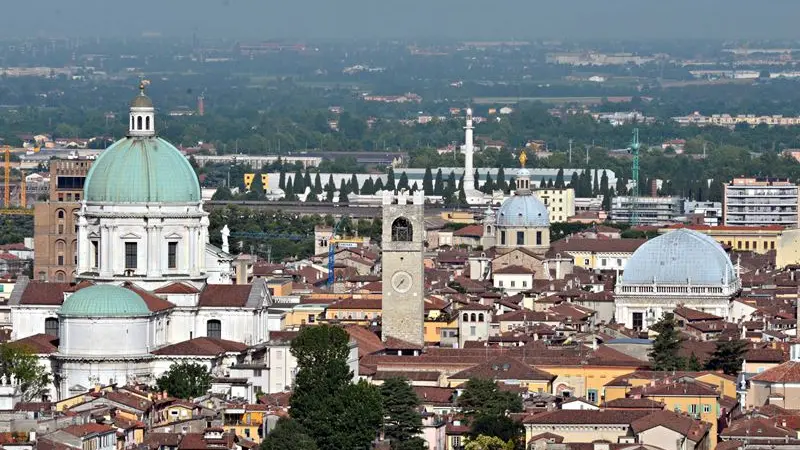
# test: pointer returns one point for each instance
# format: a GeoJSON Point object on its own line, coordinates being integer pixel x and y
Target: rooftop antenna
{"type": "Point", "coordinates": [635, 177]}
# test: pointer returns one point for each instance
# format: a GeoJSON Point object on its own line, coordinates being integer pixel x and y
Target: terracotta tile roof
{"type": "Point", "coordinates": [765, 428]}
{"type": "Point", "coordinates": [514, 270]}
{"type": "Point", "coordinates": [764, 355]}
{"type": "Point", "coordinates": [503, 368]}
{"type": "Point", "coordinates": [280, 399]}
{"type": "Point", "coordinates": [393, 343]}
{"type": "Point", "coordinates": [470, 231]}
{"type": "Point", "coordinates": [586, 417]}
{"type": "Point", "coordinates": [154, 303]}
{"type": "Point", "coordinates": [357, 303]}
{"type": "Point", "coordinates": [680, 389]}
{"type": "Point", "coordinates": [129, 400]}
{"type": "Point", "coordinates": [633, 403]}
{"type": "Point", "coordinates": [157, 440]}
{"type": "Point", "coordinates": [368, 342]}
{"type": "Point", "coordinates": [88, 429]}
{"type": "Point", "coordinates": [693, 314]}
{"type": "Point", "coordinates": [694, 430]}
{"type": "Point", "coordinates": [177, 288]}
{"type": "Point", "coordinates": [435, 395]}
{"type": "Point", "coordinates": [43, 293]}
{"type": "Point", "coordinates": [475, 306]}
{"type": "Point", "coordinates": [729, 445]}
{"type": "Point", "coordinates": [526, 315]}
{"type": "Point", "coordinates": [201, 346]}
{"type": "Point", "coordinates": [197, 441]}
{"type": "Point", "coordinates": [551, 437]}
{"type": "Point", "coordinates": [43, 344]}
{"type": "Point", "coordinates": [34, 406]}
{"type": "Point", "coordinates": [596, 245]}
{"type": "Point", "coordinates": [225, 295]}
{"type": "Point", "coordinates": [788, 372]}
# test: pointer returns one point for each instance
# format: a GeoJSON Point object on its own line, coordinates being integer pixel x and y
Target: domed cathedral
{"type": "Point", "coordinates": [142, 217]}
{"type": "Point", "coordinates": [146, 271]}
{"type": "Point", "coordinates": [682, 267]}
{"type": "Point", "coordinates": [522, 220]}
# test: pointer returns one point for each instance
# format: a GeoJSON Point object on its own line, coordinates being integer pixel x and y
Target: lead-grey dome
{"type": "Point", "coordinates": [523, 211]}
{"type": "Point", "coordinates": [680, 257]}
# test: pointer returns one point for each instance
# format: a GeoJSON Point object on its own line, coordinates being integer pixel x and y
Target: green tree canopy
{"type": "Point", "coordinates": [488, 443]}
{"type": "Point", "coordinates": [335, 412]}
{"type": "Point", "coordinates": [288, 435]}
{"type": "Point", "coordinates": [728, 356]}
{"type": "Point", "coordinates": [666, 347]}
{"type": "Point", "coordinates": [483, 397]}
{"type": "Point", "coordinates": [402, 420]}
{"type": "Point", "coordinates": [185, 380]}
{"type": "Point", "coordinates": [22, 364]}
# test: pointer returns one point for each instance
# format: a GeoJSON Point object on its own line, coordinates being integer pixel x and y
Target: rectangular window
{"type": "Point", "coordinates": [95, 254]}
{"type": "Point", "coordinates": [603, 262]}
{"type": "Point", "coordinates": [502, 238]}
{"type": "Point", "coordinates": [172, 255]}
{"type": "Point", "coordinates": [472, 331]}
{"type": "Point", "coordinates": [60, 260]}
{"type": "Point", "coordinates": [524, 283]}
{"type": "Point", "coordinates": [520, 238]}
{"type": "Point", "coordinates": [257, 372]}
{"type": "Point", "coordinates": [619, 263]}
{"type": "Point", "coordinates": [693, 408]}
{"type": "Point", "coordinates": [513, 283]}
{"type": "Point", "coordinates": [638, 320]}
{"type": "Point", "coordinates": [747, 245]}
{"type": "Point", "coordinates": [772, 245]}
{"type": "Point", "coordinates": [538, 238]}
{"type": "Point", "coordinates": [131, 255]}
{"type": "Point", "coordinates": [706, 408]}
{"type": "Point", "coordinates": [499, 283]}
{"type": "Point", "coordinates": [585, 261]}
{"type": "Point", "coordinates": [592, 396]}
{"type": "Point", "coordinates": [311, 318]}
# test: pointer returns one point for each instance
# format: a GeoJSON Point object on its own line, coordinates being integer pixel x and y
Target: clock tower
{"type": "Point", "coordinates": [402, 245]}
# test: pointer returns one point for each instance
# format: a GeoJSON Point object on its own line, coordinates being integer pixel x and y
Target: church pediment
{"type": "Point", "coordinates": [173, 236]}
{"type": "Point", "coordinates": [130, 236]}
{"type": "Point", "coordinates": [94, 235]}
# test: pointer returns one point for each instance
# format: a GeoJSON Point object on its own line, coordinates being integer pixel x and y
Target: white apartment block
{"type": "Point", "coordinates": [760, 201]}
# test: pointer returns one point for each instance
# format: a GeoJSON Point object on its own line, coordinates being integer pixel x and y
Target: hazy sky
{"type": "Point", "coordinates": [467, 19]}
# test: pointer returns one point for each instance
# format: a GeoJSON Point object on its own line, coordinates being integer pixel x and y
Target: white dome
{"type": "Point", "coordinates": [523, 211]}
{"type": "Point", "coordinates": [680, 257]}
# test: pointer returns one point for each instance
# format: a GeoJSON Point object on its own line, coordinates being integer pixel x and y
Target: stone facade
{"type": "Point", "coordinates": [403, 246]}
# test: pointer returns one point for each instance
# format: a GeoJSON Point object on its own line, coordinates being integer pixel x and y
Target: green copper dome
{"type": "Point", "coordinates": [142, 170]}
{"type": "Point", "coordinates": [104, 301]}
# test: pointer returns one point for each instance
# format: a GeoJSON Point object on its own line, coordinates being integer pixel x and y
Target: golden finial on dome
{"type": "Point", "coordinates": [523, 158]}
{"type": "Point", "coordinates": [142, 85]}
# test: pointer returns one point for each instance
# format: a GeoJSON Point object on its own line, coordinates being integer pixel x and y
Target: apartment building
{"type": "Point", "coordinates": [560, 202]}
{"type": "Point", "coordinates": [760, 201]}
{"type": "Point", "coordinates": [54, 232]}
{"type": "Point", "coordinates": [651, 210]}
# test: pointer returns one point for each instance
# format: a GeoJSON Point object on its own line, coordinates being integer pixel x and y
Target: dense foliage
{"type": "Point", "coordinates": [402, 423]}
{"type": "Point", "coordinates": [665, 354]}
{"type": "Point", "coordinates": [334, 411]}
{"type": "Point", "coordinates": [20, 364]}
{"type": "Point", "coordinates": [186, 380]}
{"type": "Point", "coordinates": [486, 409]}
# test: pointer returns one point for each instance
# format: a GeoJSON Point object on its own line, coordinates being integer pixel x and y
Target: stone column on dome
{"type": "Point", "coordinates": [152, 252]}
{"type": "Point", "coordinates": [84, 263]}
{"type": "Point", "coordinates": [204, 239]}
{"type": "Point", "coordinates": [105, 250]}
{"type": "Point", "coordinates": [192, 250]}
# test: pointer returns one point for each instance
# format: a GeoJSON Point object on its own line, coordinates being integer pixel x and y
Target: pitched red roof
{"type": "Point", "coordinates": [513, 270]}
{"type": "Point", "coordinates": [43, 293]}
{"type": "Point", "coordinates": [154, 303]}
{"type": "Point", "coordinates": [368, 342]}
{"type": "Point", "coordinates": [694, 430]}
{"type": "Point", "coordinates": [434, 395]}
{"type": "Point", "coordinates": [225, 295]}
{"type": "Point", "coordinates": [586, 417]}
{"type": "Point", "coordinates": [177, 288]}
{"type": "Point", "coordinates": [788, 372]}
{"type": "Point", "coordinates": [470, 231]}
{"type": "Point", "coordinates": [42, 344]}
{"type": "Point", "coordinates": [503, 368]}
{"type": "Point", "coordinates": [201, 346]}
{"type": "Point", "coordinates": [88, 429]}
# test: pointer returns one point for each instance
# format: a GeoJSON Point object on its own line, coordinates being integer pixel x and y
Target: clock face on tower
{"type": "Point", "coordinates": [401, 282]}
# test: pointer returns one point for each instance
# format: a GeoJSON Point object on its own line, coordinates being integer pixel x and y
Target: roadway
{"type": "Point", "coordinates": [307, 209]}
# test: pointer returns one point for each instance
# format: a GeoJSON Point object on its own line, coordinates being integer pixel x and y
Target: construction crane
{"type": "Point", "coordinates": [635, 178]}
{"type": "Point", "coordinates": [333, 242]}
{"type": "Point", "coordinates": [7, 210]}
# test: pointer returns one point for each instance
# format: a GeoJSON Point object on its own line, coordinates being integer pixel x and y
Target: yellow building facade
{"type": "Point", "coordinates": [560, 202]}
{"type": "Point", "coordinates": [754, 239]}
{"type": "Point", "coordinates": [247, 421]}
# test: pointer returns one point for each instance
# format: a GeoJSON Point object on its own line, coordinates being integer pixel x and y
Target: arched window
{"type": "Point", "coordinates": [472, 317]}
{"type": "Point", "coordinates": [402, 231]}
{"type": "Point", "coordinates": [147, 123]}
{"type": "Point", "coordinates": [139, 122]}
{"type": "Point", "coordinates": [480, 317]}
{"type": "Point", "coordinates": [489, 229]}
{"type": "Point", "coordinates": [132, 124]}
{"type": "Point", "coordinates": [465, 317]}
{"type": "Point", "coordinates": [51, 326]}
{"type": "Point", "coordinates": [214, 329]}
{"type": "Point", "coordinates": [60, 213]}
{"type": "Point", "coordinates": [61, 276]}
